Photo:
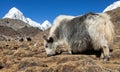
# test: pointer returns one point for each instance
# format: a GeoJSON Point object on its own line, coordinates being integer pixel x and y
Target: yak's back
{"type": "Point", "coordinates": [58, 22]}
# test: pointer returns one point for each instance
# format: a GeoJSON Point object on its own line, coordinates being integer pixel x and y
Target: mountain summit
{"type": "Point", "coordinates": [15, 13]}
{"type": "Point", "coordinates": [46, 24]}
{"type": "Point", "coordinates": [112, 6]}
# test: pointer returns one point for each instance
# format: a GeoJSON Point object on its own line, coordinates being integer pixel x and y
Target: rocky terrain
{"type": "Point", "coordinates": [13, 23]}
{"type": "Point", "coordinates": [13, 29]}
{"type": "Point", "coordinates": [30, 56]}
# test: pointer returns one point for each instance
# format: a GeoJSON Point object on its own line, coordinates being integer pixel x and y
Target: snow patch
{"type": "Point", "coordinates": [112, 6]}
{"type": "Point", "coordinates": [46, 24]}
{"type": "Point", "coordinates": [14, 13]}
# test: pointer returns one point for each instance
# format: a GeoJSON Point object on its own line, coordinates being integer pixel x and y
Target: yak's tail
{"type": "Point", "coordinates": [109, 27]}
{"type": "Point", "coordinates": [100, 29]}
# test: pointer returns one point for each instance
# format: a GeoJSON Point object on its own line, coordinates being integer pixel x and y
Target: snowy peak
{"type": "Point", "coordinates": [33, 23]}
{"type": "Point", "coordinates": [112, 6]}
{"type": "Point", "coordinates": [46, 24]}
{"type": "Point", "coordinates": [14, 13]}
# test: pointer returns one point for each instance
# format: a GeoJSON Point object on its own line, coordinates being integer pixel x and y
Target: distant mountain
{"type": "Point", "coordinates": [33, 23]}
{"type": "Point", "coordinates": [14, 13]}
{"type": "Point", "coordinates": [13, 23]}
{"type": "Point", "coordinates": [112, 6]}
{"type": "Point", "coordinates": [8, 32]}
{"type": "Point", "coordinates": [15, 29]}
{"type": "Point", "coordinates": [46, 24]}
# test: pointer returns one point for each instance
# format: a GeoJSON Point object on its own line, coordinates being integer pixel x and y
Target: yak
{"type": "Point", "coordinates": [81, 32]}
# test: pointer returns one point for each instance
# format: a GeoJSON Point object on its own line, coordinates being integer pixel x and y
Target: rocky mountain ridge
{"type": "Point", "coordinates": [15, 13]}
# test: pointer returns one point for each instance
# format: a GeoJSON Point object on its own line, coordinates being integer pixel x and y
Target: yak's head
{"type": "Point", "coordinates": [50, 46]}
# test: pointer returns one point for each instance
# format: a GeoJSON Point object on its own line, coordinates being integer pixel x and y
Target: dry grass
{"type": "Point", "coordinates": [28, 57]}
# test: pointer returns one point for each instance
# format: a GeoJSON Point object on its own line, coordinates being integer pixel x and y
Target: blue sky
{"type": "Point", "coordinates": [40, 10]}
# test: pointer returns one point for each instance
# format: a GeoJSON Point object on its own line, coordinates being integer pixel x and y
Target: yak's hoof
{"type": "Point", "coordinates": [101, 57]}
{"type": "Point", "coordinates": [66, 53]}
{"type": "Point", "coordinates": [49, 55]}
{"type": "Point", "coordinates": [69, 52]}
{"type": "Point", "coordinates": [106, 58]}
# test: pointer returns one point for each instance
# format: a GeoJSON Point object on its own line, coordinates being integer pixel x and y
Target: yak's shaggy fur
{"type": "Point", "coordinates": [100, 29]}
{"type": "Point", "coordinates": [81, 32]}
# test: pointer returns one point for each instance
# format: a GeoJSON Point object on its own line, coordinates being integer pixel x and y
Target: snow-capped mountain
{"type": "Point", "coordinates": [46, 24]}
{"type": "Point", "coordinates": [33, 23]}
{"type": "Point", "coordinates": [112, 6]}
{"type": "Point", "coordinates": [14, 13]}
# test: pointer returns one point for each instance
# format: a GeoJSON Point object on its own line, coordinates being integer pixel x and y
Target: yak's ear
{"type": "Point", "coordinates": [45, 38]}
{"type": "Point", "coordinates": [50, 39]}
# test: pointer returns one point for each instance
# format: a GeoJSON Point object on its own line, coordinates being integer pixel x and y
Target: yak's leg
{"type": "Point", "coordinates": [106, 53]}
{"type": "Point", "coordinates": [69, 50]}
{"type": "Point", "coordinates": [102, 55]}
